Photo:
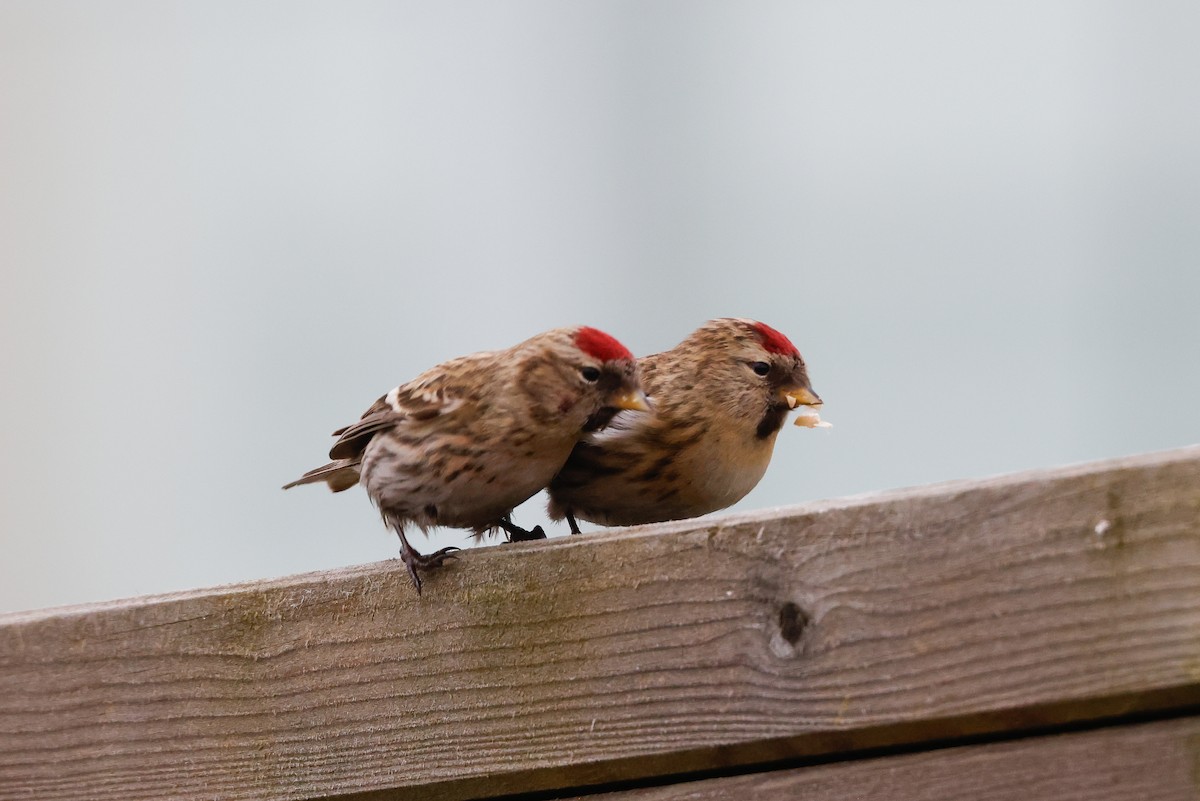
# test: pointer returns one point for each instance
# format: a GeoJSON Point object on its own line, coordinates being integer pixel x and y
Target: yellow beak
{"type": "Point", "coordinates": [801, 396]}
{"type": "Point", "coordinates": [633, 400]}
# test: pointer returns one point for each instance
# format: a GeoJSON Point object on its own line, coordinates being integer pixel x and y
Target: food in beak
{"type": "Point", "coordinates": [805, 399]}
{"type": "Point", "coordinates": [802, 396]}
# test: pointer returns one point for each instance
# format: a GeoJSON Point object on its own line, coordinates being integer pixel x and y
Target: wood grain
{"type": "Point", "coordinates": [901, 617]}
{"type": "Point", "coordinates": [1148, 762]}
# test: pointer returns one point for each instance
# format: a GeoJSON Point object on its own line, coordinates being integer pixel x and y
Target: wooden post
{"type": "Point", "coordinates": [676, 655]}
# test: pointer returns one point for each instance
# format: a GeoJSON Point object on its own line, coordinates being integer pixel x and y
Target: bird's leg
{"type": "Point", "coordinates": [518, 534]}
{"type": "Point", "coordinates": [413, 559]}
{"type": "Point", "coordinates": [571, 522]}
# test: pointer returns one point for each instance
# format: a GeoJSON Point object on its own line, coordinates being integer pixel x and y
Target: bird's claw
{"type": "Point", "coordinates": [436, 559]}
{"type": "Point", "coordinates": [413, 560]}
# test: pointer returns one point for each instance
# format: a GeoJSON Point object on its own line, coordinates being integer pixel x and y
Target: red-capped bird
{"type": "Point", "coordinates": [719, 399]}
{"type": "Point", "coordinates": [465, 442]}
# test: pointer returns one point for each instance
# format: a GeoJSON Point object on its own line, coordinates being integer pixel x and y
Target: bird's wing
{"type": "Point", "coordinates": [352, 440]}
{"type": "Point", "coordinates": [414, 404]}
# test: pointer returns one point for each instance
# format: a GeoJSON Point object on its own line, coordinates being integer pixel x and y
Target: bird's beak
{"type": "Point", "coordinates": [633, 400]}
{"type": "Point", "coordinates": [801, 396]}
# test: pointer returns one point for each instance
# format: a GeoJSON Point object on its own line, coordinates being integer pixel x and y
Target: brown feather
{"type": "Point", "coordinates": [352, 440]}
{"type": "Point", "coordinates": [341, 475]}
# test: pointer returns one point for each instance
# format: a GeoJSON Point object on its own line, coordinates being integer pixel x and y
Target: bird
{"type": "Point", "coordinates": [465, 442]}
{"type": "Point", "coordinates": [719, 399]}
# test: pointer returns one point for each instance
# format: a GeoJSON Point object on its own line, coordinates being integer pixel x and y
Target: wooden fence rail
{"type": "Point", "coordinates": [759, 655]}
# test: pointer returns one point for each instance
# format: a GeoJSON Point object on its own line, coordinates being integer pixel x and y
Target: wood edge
{"type": "Point", "coordinates": [1154, 459]}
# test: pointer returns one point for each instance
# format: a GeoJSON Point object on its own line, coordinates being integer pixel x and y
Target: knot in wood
{"type": "Point", "coordinates": [792, 622]}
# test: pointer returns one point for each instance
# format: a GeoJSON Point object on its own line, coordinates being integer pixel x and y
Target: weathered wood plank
{"type": "Point", "coordinates": [901, 617]}
{"type": "Point", "coordinates": [1148, 762]}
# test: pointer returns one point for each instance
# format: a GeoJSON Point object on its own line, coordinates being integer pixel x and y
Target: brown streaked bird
{"type": "Point", "coordinates": [465, 442]}
{"type": "Point", "coordinates": [719, 399]}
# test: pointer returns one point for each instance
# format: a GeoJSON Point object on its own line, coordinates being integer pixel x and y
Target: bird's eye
{"type": "Point", "coordinates": [590, 374]}
{"type": "Point", "coordinates": [760, 368]}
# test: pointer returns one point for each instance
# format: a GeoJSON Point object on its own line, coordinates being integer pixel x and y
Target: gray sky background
{"type": "Point", "coordinates": [226, 228]}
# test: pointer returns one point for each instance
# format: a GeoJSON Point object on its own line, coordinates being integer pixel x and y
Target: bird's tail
{"type": "Point", "coordinates": [339, 475]}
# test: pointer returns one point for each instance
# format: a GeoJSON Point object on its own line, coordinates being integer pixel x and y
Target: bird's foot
{"type": "Point", "coordinates": [572, 523]}
{"type": "Point", "coordinates": [418, 561]}
{"type": "Point", "coordinates": [521, 535]}
{"type": "Point", "coordinates": [517, 534]}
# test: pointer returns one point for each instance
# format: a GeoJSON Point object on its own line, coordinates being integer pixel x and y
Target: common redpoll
{"type": "Point", "coordinates": [466, 441]}
{"type": "Point", "coordinates": [720, 398]}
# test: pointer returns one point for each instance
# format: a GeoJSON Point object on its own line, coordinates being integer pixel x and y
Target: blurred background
{"type": "Point", "coordinates": [227, 227]}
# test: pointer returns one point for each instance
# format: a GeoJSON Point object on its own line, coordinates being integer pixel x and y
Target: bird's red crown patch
{"type": "Point", "coordinates": [775, 342]}
{"type": "Point", "coordinates": [600, 345]}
